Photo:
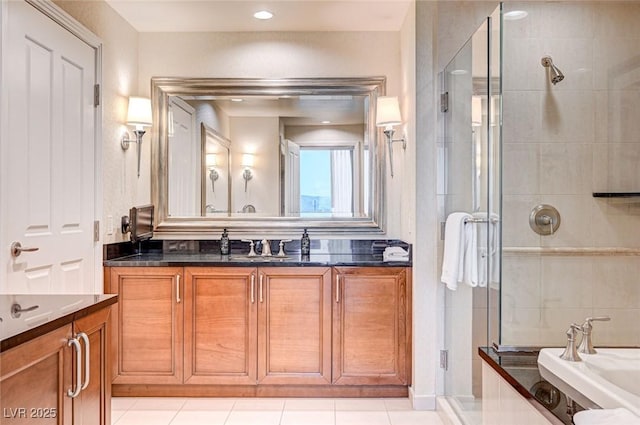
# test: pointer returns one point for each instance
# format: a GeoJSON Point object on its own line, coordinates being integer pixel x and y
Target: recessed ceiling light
{"type": "Point", "coordinates": [326, 122]}
{"type": "Point", "coordinates": [459, 72]}
{"type": "Point", "coordinates": [514, 15]}
{"type": "Point", "coordinates": [263, 14]}
{"type": "Point", "coordinates": [237, 99]}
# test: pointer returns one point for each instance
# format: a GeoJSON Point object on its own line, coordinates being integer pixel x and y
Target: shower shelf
{"type": "Point", "coordinates": [616, 194]}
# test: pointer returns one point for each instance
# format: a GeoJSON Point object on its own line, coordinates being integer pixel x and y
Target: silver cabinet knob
{"type": "Point", "coordinates": [17, 249]}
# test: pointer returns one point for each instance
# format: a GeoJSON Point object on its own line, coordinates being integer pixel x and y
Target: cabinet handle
{"type": "Point", "coordinates": [253, 288]}
{"type": "Point", "coordinates": [73, 393]}
{"type": "Point", "coordinates": [87, 356]}
{"type": "Point", "coordinates": [337, 288]}
{"type": "Point", "coordinates": [261, 299]}
{"type": "Point", "coordinates": [178, 288]}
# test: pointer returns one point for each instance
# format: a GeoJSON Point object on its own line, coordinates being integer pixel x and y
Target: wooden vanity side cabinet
{"type": "Point", "coordinates": [294, 325]}
{"type": "Point", "coordinates": [220, 326]}
{"type": "Point", "coordinates": [37, 375]}
{"type": "Point", "coordinates": [371, 326]}
{"type": "Point", "coordinates": [148, 324]}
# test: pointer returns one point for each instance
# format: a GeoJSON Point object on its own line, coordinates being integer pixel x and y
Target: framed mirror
{"type": "Point", "coordinates": [267, 155]}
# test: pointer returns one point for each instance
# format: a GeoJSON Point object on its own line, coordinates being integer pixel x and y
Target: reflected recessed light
{"type": "Point", "coordinates": [237, 99]}
{"type": "Point", "coordinates": [459, 72]}
{"type": "Point", "coordinates": [514, 15]}
{"type": "Point", "coordinates": [263, 14]}
{"type": "Point", "coordinates": [326, 122]}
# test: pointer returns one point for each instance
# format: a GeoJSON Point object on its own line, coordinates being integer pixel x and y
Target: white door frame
{"type": "Point", "coordinates": [66, 21]}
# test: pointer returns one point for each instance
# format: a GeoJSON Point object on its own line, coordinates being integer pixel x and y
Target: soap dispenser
{"type": "Point", "coordinates": [305, 243]}
{"type": "Point", "coordinates": [224, 243]}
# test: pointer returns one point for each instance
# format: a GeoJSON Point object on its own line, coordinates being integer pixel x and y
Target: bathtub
{"type": "Point", "coordinates": [608, 379]}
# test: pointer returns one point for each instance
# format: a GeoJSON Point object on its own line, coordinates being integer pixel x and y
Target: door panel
{"type": "Point", "coordinates": [48, 163]}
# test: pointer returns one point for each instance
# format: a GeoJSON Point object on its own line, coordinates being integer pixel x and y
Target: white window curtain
{"type": "Point", "coordinates": [341, 182]}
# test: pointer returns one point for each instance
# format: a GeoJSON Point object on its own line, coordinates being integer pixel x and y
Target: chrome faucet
{"type": "Point", "coordinates": [586, 345]}
{"type": "Point", "coordinates": [266, 248]}
{"type": "Point", "coordinates": [570, 353]}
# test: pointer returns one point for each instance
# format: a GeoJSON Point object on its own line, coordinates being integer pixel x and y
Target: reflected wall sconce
{"type": "Point", "coordinates": [247, 163]}
{"type": "Point", "coordinates": [211, 166]}
{"type": "Point", "coordinates": [138, 115]}
{"type": "Point", "coordinates": [388, 116]}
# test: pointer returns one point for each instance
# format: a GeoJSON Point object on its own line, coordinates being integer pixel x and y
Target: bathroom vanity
{"type": "Point", "coordinates": [57, 344]}
{"type": "Point", "coordinates": [197, 323]}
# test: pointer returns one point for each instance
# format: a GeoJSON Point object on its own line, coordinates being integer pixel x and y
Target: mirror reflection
{"type": "Point", "coordinates": [253, 149]}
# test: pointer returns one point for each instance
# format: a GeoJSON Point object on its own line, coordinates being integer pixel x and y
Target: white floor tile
{"type": "Point", "coordinates": [308, 417]}
{"type": "Point", "coordinates": [147, 417]}
{"type": "Point", "coordinates": [414, 417]}
{"type": "Point", "coordinates": [116, 414]}
{"type": "Point", "coordinates": [122, 403]}
{"type": "Point", "coordinates": [398, 404]}
{"type": "Point", "coordinates": [360, 404]}
{"type": "Point", "coordinates": [158, 403]}
{"type": "Point", "coordinates": [310, 404]}
{"type": "Point", "coordinates": [362, 418]}
{"type": "Point", "coordinates": [211, 403]}
{"type": "Point", "coordinates": [259, 404]}
{"type": "Point", "coordinates": [256, 417]}
{"type": "Point", "coordinates": [195, 417]}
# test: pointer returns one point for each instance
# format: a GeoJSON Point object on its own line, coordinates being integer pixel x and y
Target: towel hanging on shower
{"type": "Point", "coordinates": [460, 259]}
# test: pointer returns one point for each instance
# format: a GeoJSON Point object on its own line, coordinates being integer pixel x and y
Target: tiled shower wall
{"type": "Point", "coordinates": [561, 143]}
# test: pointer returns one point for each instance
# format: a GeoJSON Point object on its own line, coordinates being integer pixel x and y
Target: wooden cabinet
{"type": "Point", "coordinates": [220, 322]}
{"type": "Point", "coordinates": [37, 376]}
{"type": "Point", "coordinates": [294, 325]}
{"type": "Point", "coordinates": [249, 326]}
{"type": "Point", "coordinates": [371, 326]}
{"type": "Point", "coordinates": [148, 322]}
{"type": "Point", "coordinates": [261, 330]}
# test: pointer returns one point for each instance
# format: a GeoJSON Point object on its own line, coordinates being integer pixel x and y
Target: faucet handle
{"type": "Point", "coordinates": [281, 252]}
{"type": "Point", "coordinates": [588, 320]}
{"type": "Point", "coordinates": [572, 332]}
{"type": "Point", "coordinates": [252, 252]}
{"type": "Point", "coordinates": [570, 352]}
{"type": "Point", "coordinates": [586, 345]}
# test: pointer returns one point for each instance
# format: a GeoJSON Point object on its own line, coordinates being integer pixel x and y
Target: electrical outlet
{"type": "Point", "coordinates": [109, 225]}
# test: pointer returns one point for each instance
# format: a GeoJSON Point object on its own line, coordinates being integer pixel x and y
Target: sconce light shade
{"type": "Point", "coordinates": [247, 160]}
{"type": "Point", "coordinates": [210, 160]}
{"type": "Point", "coordinates": [139, 112]}
{"type": "Point", "coordinates": [476, 111]}
{"type": "Point", "coordinates": [388, 111]}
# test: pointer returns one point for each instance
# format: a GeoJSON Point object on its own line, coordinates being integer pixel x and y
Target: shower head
{"type": "Point", "coordinates": [555, 75]}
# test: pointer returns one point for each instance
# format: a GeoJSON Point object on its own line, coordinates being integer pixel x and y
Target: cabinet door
{"type": "Point", "coordinates": [93, 404]}
{"type": "Point", "coordinates": [220, 325]}
{"type": "Point", "coordinates": [294, 325]}
{"type": "Point", "coordinates": [34, 380]}
{"type": "Point", "coordinates": [148, 320]}
{"type": "Point", "coordinates": [371, 326]}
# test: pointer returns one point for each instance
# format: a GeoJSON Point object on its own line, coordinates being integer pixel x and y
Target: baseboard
{"type": "Point", "coordinates": [422, 402]}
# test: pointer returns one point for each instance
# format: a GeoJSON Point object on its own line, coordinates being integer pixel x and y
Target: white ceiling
{"type": "Point", "coordinates": [237, 15]}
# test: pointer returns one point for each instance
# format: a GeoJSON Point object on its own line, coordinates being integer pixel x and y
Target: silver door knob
{"type": "Point", "coordinates": [17, 249]}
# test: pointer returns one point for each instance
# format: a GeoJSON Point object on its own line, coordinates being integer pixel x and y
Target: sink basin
{"type": "Point", "coordinates": [258, 258]}
{"type": "Point", "coordinates": [609, 379]}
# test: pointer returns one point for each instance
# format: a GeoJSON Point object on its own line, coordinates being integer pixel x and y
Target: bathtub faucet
{"type": "Point", "coordinates": [586, 345]}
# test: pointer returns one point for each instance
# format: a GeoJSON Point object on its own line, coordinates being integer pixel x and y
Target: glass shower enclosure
{"type": "Point", "coordinates": [469, 181]}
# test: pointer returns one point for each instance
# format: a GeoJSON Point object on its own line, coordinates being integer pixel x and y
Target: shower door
{"type": "Point", "coordinates": [469, 181]}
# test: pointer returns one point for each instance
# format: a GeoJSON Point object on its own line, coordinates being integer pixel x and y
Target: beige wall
{"type": "Point", "coordinates": [121, 187]}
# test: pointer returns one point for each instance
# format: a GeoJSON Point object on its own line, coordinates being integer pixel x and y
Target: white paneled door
{"type": "Point", "coordinates": [48, 155]}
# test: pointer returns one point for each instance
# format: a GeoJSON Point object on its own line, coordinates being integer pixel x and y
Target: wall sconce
{"type": "Point", "coordinates": [476, 111]}
{"type": "Point", "coordinates": [247, 163]}
{"type": "Point", "coordinates": [211, 165]}
{"type": "Point", "coordinates": [388, 115]}
{"type": "Point", "coordinates": [138, 115]}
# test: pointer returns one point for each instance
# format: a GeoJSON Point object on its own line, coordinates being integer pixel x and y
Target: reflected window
{"type": "Point", "coordinates": [326, 181]}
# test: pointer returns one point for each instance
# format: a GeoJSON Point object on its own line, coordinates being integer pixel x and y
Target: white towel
{"type": "Point", "coordinates": [488, 255]}
{"type": "Point", "coordinates": [619, 416]}
{"type": "Point", "coordinates": [395, 253]}
{"type": "Point", "coordinates": [455, 238]}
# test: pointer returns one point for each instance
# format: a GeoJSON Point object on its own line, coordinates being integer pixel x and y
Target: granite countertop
{"type": "Point", "coordinates": [207, 253]}
{"type": "Point", "coordinates": [52, 312]}
{"type": "Point", "coordinates": [520, 369]}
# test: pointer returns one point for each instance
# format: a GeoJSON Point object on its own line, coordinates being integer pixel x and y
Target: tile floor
{"type": "Point", "coordinates": [267, 411]}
